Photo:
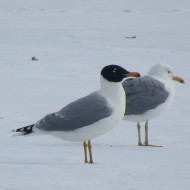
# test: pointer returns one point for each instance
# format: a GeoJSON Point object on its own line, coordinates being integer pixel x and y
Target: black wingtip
{"type": "Point", "coordinates": [24, 130]}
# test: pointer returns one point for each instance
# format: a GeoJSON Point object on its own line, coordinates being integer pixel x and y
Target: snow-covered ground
{"type": "Point", "coordinates": [73, 40]}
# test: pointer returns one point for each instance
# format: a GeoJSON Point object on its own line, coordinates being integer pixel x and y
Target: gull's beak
{"type": "Point", "coordinates": [178, 79]}
{"type": "Point", "coordinates": [132, 74]}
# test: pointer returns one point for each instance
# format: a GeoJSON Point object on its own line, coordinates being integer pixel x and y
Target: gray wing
{"type": "Point", "coordinates": [143, 94]}
{"type": "Point", "coordinates": [80, 113]}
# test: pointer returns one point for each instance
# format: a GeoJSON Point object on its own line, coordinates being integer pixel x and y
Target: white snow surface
{"type": "Point", "coordinates": [73, 40]}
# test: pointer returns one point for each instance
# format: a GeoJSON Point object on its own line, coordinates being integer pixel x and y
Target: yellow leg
{"type": "Point", "coordinates": [90, 152]}
{"type": "Point", "coordinates": [85, 152]}
{"type": "Point", "coordinates": [139, 134]}
{"type": "Point", "coordinates": [146, 143]}
{"type": "Point", "coordinates": [146, 134]}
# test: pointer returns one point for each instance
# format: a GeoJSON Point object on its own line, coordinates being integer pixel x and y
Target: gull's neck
{"type": "Point", "coordinates": [113, 90]}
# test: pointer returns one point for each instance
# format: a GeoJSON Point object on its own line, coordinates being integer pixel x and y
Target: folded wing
{"type": "Point", "coordinates": [78, 114]}
{"type": "Point", "coordinates": [143, 94]}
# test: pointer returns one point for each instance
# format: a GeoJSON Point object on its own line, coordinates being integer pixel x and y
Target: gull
{"type": "Point", "coordinates": [87, 117]}
{"type": "Point", "coordinates": [149, 96]}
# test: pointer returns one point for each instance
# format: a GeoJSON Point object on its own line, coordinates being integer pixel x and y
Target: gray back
{"type": "Point", "coordinates": [80, 113]}
{"type": "Point", "coordinates": [143, 94]}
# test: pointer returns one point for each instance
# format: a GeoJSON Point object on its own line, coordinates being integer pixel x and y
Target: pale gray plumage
{"type": "Point", "coordinates": [148, 96]}
{"type": "Point", "coordinates": [78, 114]}
{"type": "Point", "coordinates": [88, 117]}
{"type": "Point", "coordinates": [143, 94]}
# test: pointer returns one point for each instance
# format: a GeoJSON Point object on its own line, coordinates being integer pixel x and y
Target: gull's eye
{"type": "Point", "coordinates": [114, 70]}
{"type": "Point", "coordinates": [169, 72]}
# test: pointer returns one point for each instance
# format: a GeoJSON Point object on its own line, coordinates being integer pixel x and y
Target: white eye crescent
{"type": "Point", "coordinates": [115, 70]}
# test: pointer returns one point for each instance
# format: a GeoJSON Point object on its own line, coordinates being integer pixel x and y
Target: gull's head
{"type": "Point", "coordinates": [116, 73]}
{"type": "Point", "coordinates": [164, 71]}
